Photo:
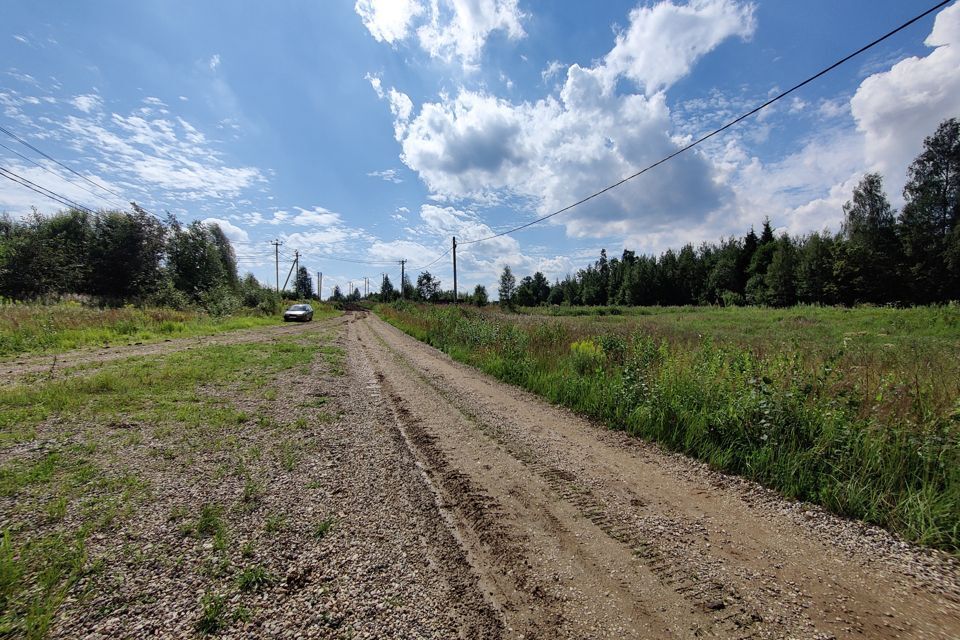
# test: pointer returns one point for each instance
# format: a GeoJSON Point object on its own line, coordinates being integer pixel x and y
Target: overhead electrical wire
{"type": "Point", "coordinates": [733, 122]}
{"type": "Point", "coordinates": [380, 263]}
{"type": "Point", "coordinates": [112, 203]}
{"type": "Point", "coordinates": [53, 195]}
{"type": "Point", "coordinates": [436, 260]}
{"type": "Point", "coordinates": [52, 159]}
{"type": "Point", "coordinates": [74, 172]}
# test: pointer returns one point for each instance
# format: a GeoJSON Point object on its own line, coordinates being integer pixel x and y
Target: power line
{"type": "Point", "coordinates": [112, 203]}
{"type": "Point", "coordinates": [380, 263]}
{"type": "Point", "coordinates": [721, 129]}
{"type": "Point", "coordinates": [76, 173]}
{"type": "Point", "coordinates": [53, 195]}
{"type": "Point", "coordinates": [52, 159]}
{"type": "Point", "coordinates": [438, 258]}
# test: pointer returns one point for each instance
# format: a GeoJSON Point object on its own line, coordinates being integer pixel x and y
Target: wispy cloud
{"type": "Point", "coordinates": [88, 102]}
{"type": "Point", "coordinates": [389, 175]}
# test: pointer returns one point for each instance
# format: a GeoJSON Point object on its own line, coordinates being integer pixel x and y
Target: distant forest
{"type": "Point", "coordinates": [879, 256]}
{"type": "Point", "coordinates": [120, 257]}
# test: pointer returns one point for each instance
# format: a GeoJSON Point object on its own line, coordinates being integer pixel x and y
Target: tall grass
{"type": "Point", "coordinates": [866, 427]}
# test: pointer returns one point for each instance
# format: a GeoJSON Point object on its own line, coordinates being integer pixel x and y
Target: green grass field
{"type": "Point", "coordinates": [38, 328]}
{"type": "Point", "coordinates": [77, 454]}
{"type": "Point", "coordinates": [855, 409]}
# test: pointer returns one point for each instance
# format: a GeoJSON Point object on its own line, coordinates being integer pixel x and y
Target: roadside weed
{"type": "Point", "coordinates": [322, 528]}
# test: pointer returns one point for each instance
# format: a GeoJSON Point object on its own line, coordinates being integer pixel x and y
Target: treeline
{"type": "Point", "coordinates": [427, 289]}
{"type": "Point", "coordinates": [879, 256]}
{"type": "Point", "coordinates": [118, 257]}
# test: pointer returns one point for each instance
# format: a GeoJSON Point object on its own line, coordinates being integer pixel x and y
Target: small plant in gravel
{"type": "Point", "coordinates": [252, 491]}
{"type": "Point", "coordinates": [274, 522]}
{"type": "Point", "coordinates": [335, 358]}
{"type": "Point", "coordinates": [177, 512]}
{"type": "Point", "coordinates": [213, 613]}
{"type": "Point", "coordinates": [323, 528]}
{"type": "Point", "coordinates": [210, 522]}
{"type": "Point", "coordinates": [242, 614]}
{"type": "Point", "coordinates": [216, 568]}
{"type": "Point", "coordinates": [266, 422]}
{"type": "Point", "coordinates": [247, 550]}
{"type": "Point", "coordinates": [289, 455]}
{"type": "Point", "coordinates": [254, 578]}
{"type": "Point", "coordinates": [221, 539]}
{"type": "Point", "coordinates": [316, 403]}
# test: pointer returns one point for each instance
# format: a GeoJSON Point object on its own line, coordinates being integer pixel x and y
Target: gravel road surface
{"type": "Point", "coordinates": [462, 507]}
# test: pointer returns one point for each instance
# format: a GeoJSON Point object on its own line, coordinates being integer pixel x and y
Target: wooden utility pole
{"type": "Point", "coordinates": [320, 286]}
{"type": "Point", "coordinates": [276, 260]}
{"type": "Point", "coordinates": [456, 298]}
{"type": "Point", "coordinates": [402, 278]}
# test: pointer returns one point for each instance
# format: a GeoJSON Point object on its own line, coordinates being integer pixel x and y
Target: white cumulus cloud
{"type": "Point", "coordinates": [552, 152]}
{"type": "Point", "coordinates": [664, 41]}
{"type": "Point", "coordinates": [897, 108]}
{"type": "Point", "coordinates": [388, 20]}
{"type": "Point", "coordinates": [451, 30]}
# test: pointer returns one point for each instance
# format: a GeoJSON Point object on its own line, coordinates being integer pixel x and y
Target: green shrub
{"type": "Point", "coordinates": [220, 301]}
{"type": "Point", "coordinates": [170, 297]}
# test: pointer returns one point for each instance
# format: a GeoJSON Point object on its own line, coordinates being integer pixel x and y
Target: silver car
{"type": "Point", "coordinates": [298, 313]}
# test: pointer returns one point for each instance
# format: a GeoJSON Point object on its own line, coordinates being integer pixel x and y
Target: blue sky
{"type": "Point", "coordinates": [375, 130]}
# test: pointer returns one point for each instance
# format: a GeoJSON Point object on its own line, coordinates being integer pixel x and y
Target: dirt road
{"type": "Point", "coordinates": [578, 532]}
{"type": "Point", "coordinates": [463, 507]}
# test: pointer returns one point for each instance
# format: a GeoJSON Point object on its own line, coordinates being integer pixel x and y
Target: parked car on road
{"type": "Point", "coordinates": [298, 313]}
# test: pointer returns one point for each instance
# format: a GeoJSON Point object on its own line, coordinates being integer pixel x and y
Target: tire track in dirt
{"type": "Point", "coordinates": [743, 568]}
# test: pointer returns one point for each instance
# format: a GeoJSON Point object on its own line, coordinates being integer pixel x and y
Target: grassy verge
{"type": "Point", "coordinates": [78, 457]}
{"type": "Point", "coordinates": [867, 425]}
{"type": "Point", "coordinates": [36, 328]}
